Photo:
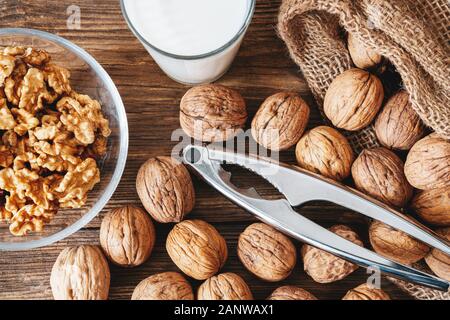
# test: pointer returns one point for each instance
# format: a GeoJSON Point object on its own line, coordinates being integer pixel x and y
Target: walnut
{"type": "Point", "coordinates": [438, 261]}
{"type": "Point", "coordinates": [30, 218]}
{"type": "Point", "coordinates": [324, 267]}
{"type": "Point", "coordinates": [80, 273]}
{"type": "Point", "coordinates": [395, 244]}
{"type": "Point", "coordinates": [25, 121]}
{"type": "Point", "coordinates": [83, 116]}
{"type": "Point", "coordinates": [6, 156]}
{"type": "Point", "coordinates": [7, 64]}
{"type": "Point", "coordinates": [212, 113]}
{"type": "Point", "coordinates": [163, 286]}
{"type": "Point", "coordinates": [127, 236]}
{"type": "Point", "coordinates": [428, 163]}
{"type": "Point", "coordinates": [433, 206]}
{"type": "Point", "coordinates": [75, 185]}
{"type": "Point", "coordinates": [325, 151]}
{"type": "Point", "coordinates": [365, 292]}
{"type": "Point", "coordinates": [165, 189]}
{"type": "Point", "coordinates": [291, 293]}
{"type": "Point", "coordinates": [398, 126]}
{"type": "Point", "coordinates": [13, 83]}
{"type": "Point", "coordinates": [353, 99]}
{"type": "Point", "coordinates": [378, 172]}
{"type": "Point", "coordinates": [35, 57]}
{"type": "Point", "coordinates": [58, 78]}
{"type": "Point", "coordinates": [225, 286]}
{"type": "Point", "coordinates": [7, 121]}
{"type": "Point", "coordinates": [362, 57]}
{"type": "Point", "coordinates": [280, 121]}
{"type": "Point", "coordinates": [33, 92]}
{"type": "Point", "coordinates": [266, 252]}
{"type": "Point", "coordinates": [197, 248]}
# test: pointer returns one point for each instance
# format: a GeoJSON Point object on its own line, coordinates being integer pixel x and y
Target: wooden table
{"type": "Point", "coordinates": [262, 68]}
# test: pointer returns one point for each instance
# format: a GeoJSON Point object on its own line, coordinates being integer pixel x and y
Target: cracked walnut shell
{"type": "Point", "coordinates": [165, 189]}
{"type": "Point", "coordinates": [365, 292]}
{"type": "Point", "coordinates": [378, 172]}
{"type": "Point", "coordinates": [324, 267]}
{"type": "Point", "coordinates": [362, 57]}
{"type": "Point", "coordinates": [280, 121]}
{"type": "Point", "coordinates": [80, 273]}
{"type": "Point", "coordinates": [396, 245]}
{"type": "Point", "coordinates": [353, 99]}
{"type": "Point", "coordinates": [224, 286]}
{"type": "Point", "coordinates": [212, 113]}
{"type": "Point", "coordinates": [427, 165]}
{"type": "Point", "coordinates": [433, 206]}
{"type": "Point", "coordinates": [325, 151]}
{"type": "Point", "coordinates": [163, 286]}
{"type": "Point", "coordinates": [398, 126]}
{"type": "Point", "coordinates": [291, 293]}
{"type": "Point", "coordinates": [127, 236]}
{"type": "Point", "coordinates": [438, 261]}
{"type": "Point", "coordinates": [197, 248]}
{"type": "Point", "coordinates": [266, 252]}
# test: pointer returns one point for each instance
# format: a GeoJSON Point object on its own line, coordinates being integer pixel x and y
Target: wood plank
{"type": "Point", "coordinates": [262, 68]}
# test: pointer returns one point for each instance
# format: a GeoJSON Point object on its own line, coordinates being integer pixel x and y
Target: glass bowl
{"type": "Point", "coordinates": [87, 77]}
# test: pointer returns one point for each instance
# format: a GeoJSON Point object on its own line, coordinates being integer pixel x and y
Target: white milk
{"type": "Point", "coordinates": [193, 41]}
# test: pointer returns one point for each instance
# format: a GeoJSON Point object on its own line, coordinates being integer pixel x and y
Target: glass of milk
{"type": "Point", "coordinates": [193, 41]}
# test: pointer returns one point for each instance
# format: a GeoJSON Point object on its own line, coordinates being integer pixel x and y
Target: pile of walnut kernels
{"type": "Point", "coordinates": [213, 113]}
{"type": "Point", "coordinates": [50, 136]}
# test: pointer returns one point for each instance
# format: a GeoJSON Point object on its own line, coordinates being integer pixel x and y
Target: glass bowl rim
{"type": "Point", "coordinates": [123, 147]}
{"type": "Point", "coordinates": [241, 31]}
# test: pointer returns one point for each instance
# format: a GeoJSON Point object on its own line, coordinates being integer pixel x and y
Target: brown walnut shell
{"type": "Point", "coordinates": [80, 273]}
{"type": "Point", "coordinates": [395, 244]}
{"type": "Point", "coordinates": [438, 261]}
{"type": "Point", "coordinates": [280, 121]}
{"type": "Point", "coordinates": [365, 292]}
{"type": "Point", "coordinates": [428, 163]}
{"type": "Point", "coordinates": [266, 252]}
{"type": "Point", "coordinates": [325, 151]}
{"type": "Point", "coordinates": [127, 236]}
{"type": "Point", "coordinates": [165, 189]}
{"type": "Point", "coordinates": [353, 99]}
{"type": "Point", "coordinates": [398, 126]}
{"type": "Point", "coordinates": [212, 113]}
{"type": "Point", "coordinates": [291, 293]}
{"type": "Point", "coordinates": [224, 286]}
{"type": "Point", "coordinates": [433, 206]}
{"type": "Point", "coordinates": [324, 267]}
{"type": "Point", "coordinates": [163, 286]}
{"type": "Point", "coordinates": [362, 57]}
{"type": "Point", "coordinates": [197, 248]}
{"type": "Point", "coordinates": [378, 172]}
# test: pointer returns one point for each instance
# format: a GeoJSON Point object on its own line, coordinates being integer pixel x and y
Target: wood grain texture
{"type": "Point", "coordinates": [262, 68]}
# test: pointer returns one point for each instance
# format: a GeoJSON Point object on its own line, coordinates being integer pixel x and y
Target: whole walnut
{"type": "Point", "coordinates": [280, 121]}
{"type": "Point", "coordinates": [224, 286]}
{"type": "Point", "coordinates": [398, 126]}
{"type": "Point", "coordinates": [362, 57]}
{"type": "Point", "coordinates": [365, 292]}
{"type": "Point", "coordinates": [291, 293]}
{"type": "Point", "coordinates": [325, 151]}
{"type": "Point", "coordinates": [163, 286]}
{"type": "Point", "coordinates": [353, 99]}
{"type": "Point", "coordinates": [427, 165]}
{"type": "Point", "coordinates": [80, 273]}
{"type": "Point", "coordinates": [378, 172]}
{"type": "Point", "coordinates": [212, 113]}
{"type": "Point", "coordinates": [197, 248]}
{"type": "Point", "coordinates": [127, 236]}
{"type": "Point", "coordinates": [165, 189]}
{"type": "Point", "coordinates": [324, 267]}
{"type": "Point", "coordinates": [438, 261]}
{"type": "Point", "coordinates": [433, 206]}
{"type": "Point", "coordinates": [266, 252]}
{"type": "Point", "coordinates": [395, 244]}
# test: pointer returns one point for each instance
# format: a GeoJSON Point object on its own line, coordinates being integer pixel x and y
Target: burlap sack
{"type": "Point", "coordinates": [413, 34]}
